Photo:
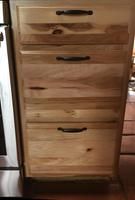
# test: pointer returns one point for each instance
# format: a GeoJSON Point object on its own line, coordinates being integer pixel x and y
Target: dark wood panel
{"type": "Point", "coordinates": [130, 193]}
{"type": "Point", "coordinates": [127, 174]}
{"type": "Point", "coordinates": [127, 170]}
{"type": "Point", "coordinates": [81, 190]}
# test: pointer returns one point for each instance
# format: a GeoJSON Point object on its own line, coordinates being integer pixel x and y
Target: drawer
{"type": "Point", "coordinates": [72, 111]}
{"type": "Point", "coordinates": [70, 54]}
{"type": "Point", "coordinates": [73, 71]}
{"type": "Point", "coordinates": [88, 24]}
{"type": "Point", "coordinates": [89, 151]}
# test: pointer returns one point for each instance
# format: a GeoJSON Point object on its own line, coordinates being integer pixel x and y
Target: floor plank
{"type": "Point", "coordinates": [131, 96]}
{"type": "Point", "coordinates": [129, 127]}
{"type": "Point", "coordinates": [127, 169]}
{"type": "Point", "coordinates": [127, 174]}
{"type": "Point", "coordinates": [130, 193]}
{"type": "Point", "coordinates": [130, 114]}
{"type": "Point", "coordinates": [128, 146]}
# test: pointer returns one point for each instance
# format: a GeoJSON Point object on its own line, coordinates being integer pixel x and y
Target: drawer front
{"type": "Point", "coordinates": [68, 25]}
{"type": "Point", "coordinates": [79, 54]}
{"type": "Point", "coordinates": [55, 152]}
{"type": "Point", "coordinates": [72, 112]}
{"type": "Point", "coordinates": [75, 71]}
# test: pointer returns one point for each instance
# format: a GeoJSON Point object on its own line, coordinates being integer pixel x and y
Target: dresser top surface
{"type": "Point", "coordinates": [71, 2]}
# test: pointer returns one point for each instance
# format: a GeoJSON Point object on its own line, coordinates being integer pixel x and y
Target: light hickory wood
{"type": "Point", "coordinates": [47, 49]}
{"type": "Point", "coordinates": [42, 114]}
{"type": "Point", "coordinates": [71, 3]}
{"type": "Point", "coordinates": [46, 77]}
{"type": "Point", "coordinates": [73, 152]}
{"type": "Point", "coordinates": [96, 54]}
{"type": "Point", "coordinates": [63, 173]}
{"type": "Point", "coordinates": [96, 125]}
{"type": "Point", "coordinates": [48, 27]}
{"type": "Point", "coordinates": [53, 91]}
{"type": "Point", "coordinates": [49, 132]}
{"type": "Point", "coordinates": [92, 102]}
{"type": "Point", "coordinates": [71, 103]}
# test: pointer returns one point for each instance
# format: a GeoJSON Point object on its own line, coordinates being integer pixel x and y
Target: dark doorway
{"type": "Point", "coordinates": [2, 137]}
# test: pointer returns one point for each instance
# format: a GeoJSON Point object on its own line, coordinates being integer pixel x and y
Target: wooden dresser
{"type": "Point", "coordinates": [72, 61]}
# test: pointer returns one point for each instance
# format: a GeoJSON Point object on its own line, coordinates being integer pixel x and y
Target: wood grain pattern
{"type": "Point", "coordinates": [67, 48]}
{"type": "Point", "coordinates": [46, 77]}
{"type": "Point", "coordinates": [48, 54]}
{"type": "Point", "coordinates": [75, 39]}
{"type": "Point", "coordinates": [50, 28]}
{"type": "Point", "coordinates": [74, 151]}
{"type": "Point", "coordinates": [36, 91]}
{"type": "Point", "coordinates": [96, 125]}
{"type": "Point", "coordinates": [37, 114]}
{"type": "Point", "coordinates": [60, 81]}
{"type": "Point", "coordinates": [40, 92]}
{"type": "Point", "coordinates": [49, 132]}
{"type": "Point", "coordinates": [80, 3]}
{"type": "Point", "coordinates": [87, 85]}
{"type": "Point", "coordinates": [48, 14]}
{"type": "Point", "coordinates": [63, 173]}
{"type": "Point", "coordinates": [71, 103]}
{"type": "Point", "coordinates": [85, 102]}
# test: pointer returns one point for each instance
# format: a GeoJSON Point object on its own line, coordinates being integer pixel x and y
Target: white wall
{"type": "Point", "coordinates": [6, 103]}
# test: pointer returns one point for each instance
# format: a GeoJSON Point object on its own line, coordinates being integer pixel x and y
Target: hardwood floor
{"type": "Point", "coordinates": [127, 161]}
{"type": "Point", "coordinates": [127, 174]}
{"type": "Point", "coordinates": [127, 144]}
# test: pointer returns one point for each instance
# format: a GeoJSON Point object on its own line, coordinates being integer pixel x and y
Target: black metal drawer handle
{"type": "Point", "coordinates": [72, 130]}
{"type": "Point", "coordinates": [74, 12]}
{"type": "Point", "coordinates": [72, 58]}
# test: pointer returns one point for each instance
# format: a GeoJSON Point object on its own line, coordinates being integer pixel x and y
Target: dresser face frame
{"type": "Point", "coordinates": [29, 52]}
